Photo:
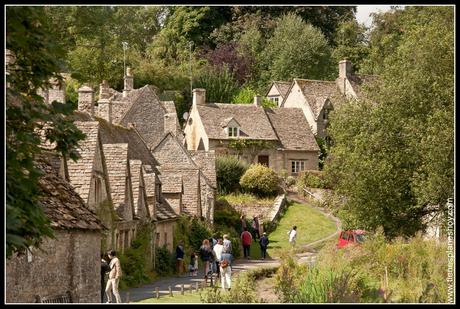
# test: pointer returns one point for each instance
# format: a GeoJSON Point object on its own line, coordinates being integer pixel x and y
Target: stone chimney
{"type": "Point", "coordinates": [128, 82]}
{"type": "Point", "coordinates": [105, 103]}
{"type": "Point", "coordinates": [104, 92]}
{"type": "Point", "coordinates": [257, 100]}
{"type": "Point", "coordinates": [199, 96]}
{"type": "Point", "coordinates": [86, 100]}
{"type": "Point", "coordinates": [345, 69]}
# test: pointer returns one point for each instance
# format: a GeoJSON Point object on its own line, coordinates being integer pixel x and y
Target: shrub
{"type": "Point", "coordinates": [165, 262]}
{"type": "Point", "coordinates": [312, 179]}
{"type": "Point", "coordinates": [228, 172]}
{"type": "Point", "coordinates": [260, 180]}
{"type": "Point", "coordinates": [135, 261]}
{"type": "Point", "coordinates": [288, 278]}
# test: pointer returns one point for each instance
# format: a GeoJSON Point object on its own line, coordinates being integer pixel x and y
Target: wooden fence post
{"type": "Point", "coordinates": [157, 291]}
{"type": "Point", "coordinates": [170, 291]}
{"type": "Point", "coordinates": [182, 289]}
{"type": "Point", "coordinates": [127, 297]}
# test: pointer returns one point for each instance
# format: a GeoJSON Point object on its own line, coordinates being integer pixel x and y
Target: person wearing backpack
{"type": "Point", "coordinates": [225, 266]}
{"type": "Point", "coordinates": [263, 241]}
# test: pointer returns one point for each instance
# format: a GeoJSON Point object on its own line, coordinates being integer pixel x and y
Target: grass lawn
{"type": "Point", "coordinates": [188, 297]}
{"type": "Point", "coordinates": [311, 225]}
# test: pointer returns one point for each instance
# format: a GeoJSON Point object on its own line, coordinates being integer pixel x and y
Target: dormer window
{"type": "Point", "coordinates": [233, 131]}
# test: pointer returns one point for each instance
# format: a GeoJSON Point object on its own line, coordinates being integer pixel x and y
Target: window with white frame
{"type": "Point", "coordinates": [297, 166]}
{"type": "Point", "coordinates": [274, 99]}
{"type": "Point", "coordinates": [233, 131]}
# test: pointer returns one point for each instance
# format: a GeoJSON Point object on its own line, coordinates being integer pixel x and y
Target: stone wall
{"type": "Point", "coordinates": [165, 237]}
{"type": "Point", "coordinates": [71, 262]}
{"type": "Point", "coordinates": [278, 206]}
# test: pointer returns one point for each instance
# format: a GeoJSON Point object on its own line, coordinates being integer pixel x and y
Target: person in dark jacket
{"type": "Point", "coordinates": [180, 257]}
{"type": "Point", "coordinates": [263, 241]}
{"type": "Point", "coordinates": [105, 268]}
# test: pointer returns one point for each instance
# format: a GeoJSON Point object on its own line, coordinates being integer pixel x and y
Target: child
{"type": "Point", "coordinates": [193, 266]}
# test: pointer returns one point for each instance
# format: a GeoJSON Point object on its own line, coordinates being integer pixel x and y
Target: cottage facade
{"type": "Point", "coordinates": [281, 137]}
{"type": "Point", "coordinates": [69, 263]}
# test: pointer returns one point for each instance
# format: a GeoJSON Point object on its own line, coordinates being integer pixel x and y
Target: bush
{"type": "Point", "coordinates": [288, 277]}
{"type": "Point", "coordinates": [165, 261]}
{"type": "Point", "coordinates": [260, 180]}
{"type": "Point", "coordinates": [228, 172]}
{"type": "Point", "coordinates": [135, 261]}
{"type": "Point", "coordinates": [312, 179]}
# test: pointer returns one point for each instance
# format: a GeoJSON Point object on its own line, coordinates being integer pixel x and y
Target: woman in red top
{"type": "Point", "coordinates": [246, 240]}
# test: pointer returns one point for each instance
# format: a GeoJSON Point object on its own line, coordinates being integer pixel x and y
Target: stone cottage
{"type": "Point", "coordinates": [194, 179]}
{"type": "Point", "coordinates": [279, 138]}
{"type": "Point", "coordinates": [69, 264]}
{"type": "Point", "coordinates": [317, 98]}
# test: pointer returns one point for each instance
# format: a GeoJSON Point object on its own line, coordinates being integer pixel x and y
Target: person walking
{"type": "Point", "coordinates": [263, 241]}
{"type": "Point", "coordinates": [293, 235]}
{"type": "Point", "coordinates": [206, 257]}
{"type": "Point", "coordinates": [114, 278]}
{"type": "Point", "coordinates": [227, 245]}
{"type": "Point", "coordinates": [180, 257]}
{"type": "Point", "coordinates": [226, 260]}
{"type": "Point", "coordinates": [105, 268]}
{"type": "Point", "coordinates": [191, 267]}
{"type": "Point", "coordinates": [218, 248]}
{"type": "Point", "coordinates": [246, 240]}
{"type": "Point", "coordinates": [255, 227]}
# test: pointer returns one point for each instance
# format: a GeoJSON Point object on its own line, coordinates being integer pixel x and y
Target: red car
{"type": "Point", "coordinates": [350, 237]}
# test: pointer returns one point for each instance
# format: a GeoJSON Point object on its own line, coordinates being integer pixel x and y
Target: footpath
{"type": "Point", "coordinates": [239, 265]}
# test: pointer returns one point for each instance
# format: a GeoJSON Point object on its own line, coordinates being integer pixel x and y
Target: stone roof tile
{"type": "Point", "coordinates": [62, 204]}
{"type": "Point", "coordinates": [171, 182]}
{"type": "Point", "coordinates": [253, 120]}
{"type": "Point", "coordinates": [317, 92]}
{"type": "Point", "coordinates": [292, 128]}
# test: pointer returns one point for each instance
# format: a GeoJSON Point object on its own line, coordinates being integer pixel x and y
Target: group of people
{"type": "Point", "coordinates": [247, 237]}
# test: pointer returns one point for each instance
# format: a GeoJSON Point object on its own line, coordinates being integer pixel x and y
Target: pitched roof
{"type": "Point", "coordinates": [165, 211]}
{"type": "Point", "coordinates": [316, 92]}
{"type": "Point", "coordinates": [292, 128]}
{"type": "Point", "coordinates": [206, 160]}
{"type": "Point", "coordinates": [150, 179]}
{"type": "Point", "coordinates": [80, 172]}
{"type": "Point", "coordinates": [62, 204]}
{"type": "Point", "coordinates": [283, 87]}
{"type": "Point", "coordinates": [254, 123]}
{"type": "Point", "coordinates": [359, 81]}
{"type": "Point", "coordinates": [116, 158]}
{"type": "Point", "coordinates": [136, 173]}
{"type": "Point", "coordinates": [171, 183]}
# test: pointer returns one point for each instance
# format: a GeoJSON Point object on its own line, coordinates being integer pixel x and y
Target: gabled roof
{"type": "Point", "coordinates": [80, 172]}
{"type": "Point", "coordinates": [282, 87]}
{"type": "Point", "coordinates": [316, 92]}
{"type": "Point", "coordinates": [171, 183]}
{"type": "Point", "coordinates": [292, 128]}
{"type": "Point", "coordinates": [165, 211]}
{"type": "Point", "coordinates": [150, 179]}
{"type": "Point", "coordinates": [206, 160]}
{"type": "Point", "coordinates": [254, 123]}
{"type": "Point", "coordinates": [135, 167]}
{"type": "Point", "coordinates": [358, 81]}
{"type": "Point", "coordinates": [226, 122]}
{"type": "Point", "coordinates": [62, 204]}
{"type": "Point", "coordinates": [116, 158]}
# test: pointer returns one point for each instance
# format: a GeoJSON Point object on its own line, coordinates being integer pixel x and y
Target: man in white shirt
{"type": "Point", "coordinates": [218, 251]}
{"type": "Point", "coordinates": [293, 235]}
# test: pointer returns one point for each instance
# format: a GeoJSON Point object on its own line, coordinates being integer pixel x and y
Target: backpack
{"type": "Point", "coordinates": [224, 264]}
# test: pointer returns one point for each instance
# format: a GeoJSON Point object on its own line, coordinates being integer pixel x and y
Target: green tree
{"type": "Point", "coordinates": [392, 157]}
{"type": "Point", "coordinates": [38, 58]}
{"type": "Point", "coordinates": [296, 50]}
{"type": "Point", "coordinates": [219, 84]}
{"type": "Point", "coordinates": [351, 43]}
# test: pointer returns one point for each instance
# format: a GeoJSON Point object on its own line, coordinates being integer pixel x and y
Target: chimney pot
{"type": "Point", "coordinates": [345, 68]}
{"type": "Point", "coordinates": [128, 82]}
{"type": "Point", "coordinates": [257, 100]}
{"type": "Point", "coordinates": [199, 96]}
{"type": "Point", "coordinates": [86, 100]}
